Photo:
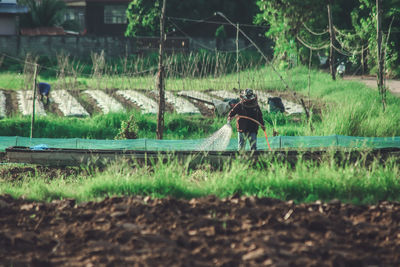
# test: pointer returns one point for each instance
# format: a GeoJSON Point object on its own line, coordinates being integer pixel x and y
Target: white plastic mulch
{"type": "Point", "coordinates": [105, 102]}
{"type": "Point", "coordinates": [262, 98]}
{"type": "Point", "coordinates": [25, 103]}
{"type": "Point", "coordinates": [180, 104]}
{"type": "Point", "coordinates": [2, 105]}
{"type": "Point", "coordinates": [198, 95]}
{"type": "Point", "coordinates": [67, 104]}
{"type": "Point", "coordinates": [290, 107]}
{"type": "Point", "coordinates": [225, 94]}
{"type": "Point", "coordinates": [146, 104]}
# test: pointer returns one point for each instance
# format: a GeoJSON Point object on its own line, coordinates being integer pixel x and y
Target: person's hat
{"type": "Point", "coordinates": [249, 94]}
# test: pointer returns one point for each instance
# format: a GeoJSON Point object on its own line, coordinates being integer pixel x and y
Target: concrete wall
{"type": "Point", "coordinates": [77, 46]}
{"type": "Point", "coordinates": [7, 25]}
{"type": "Point", "coordinates": [82, 46]}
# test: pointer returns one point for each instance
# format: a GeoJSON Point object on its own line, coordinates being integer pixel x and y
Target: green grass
{"type": "Point", "coordinates": [306, 182]}
{"type": "Point", "coordinates": [177, 126]}
{"type": "Point", "coordinates": [349, 107]}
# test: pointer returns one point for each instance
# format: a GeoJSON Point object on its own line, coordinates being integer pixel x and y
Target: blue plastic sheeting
{"type": "Point", "coordinates": [276, 142]}
{"type": "Point", "coordinates": [39, 147]}
{"type": "Point", "coordinates": [44, 88]}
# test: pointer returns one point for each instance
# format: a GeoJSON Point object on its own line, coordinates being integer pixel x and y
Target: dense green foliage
{"type": "Point", "coordinates": [44, 13]}
{"type": "Point", "coordinates": [307, 181]}
{"type": "Point", "coordinates": [295, 25]}
{"type": "Point", "coordinates": [144, 16]}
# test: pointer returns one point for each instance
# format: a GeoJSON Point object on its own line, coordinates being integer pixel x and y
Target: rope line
{"type": "Point", "coordinates": [215, 22]}
{"type": "Point", "coordinates": [354, 52]}
{"type": "Point", "coordinates": [209, 48]}
{"type": "Point", "coordinates": [314, 33]}
{"type": "Point", "coordinates": [310, 46]}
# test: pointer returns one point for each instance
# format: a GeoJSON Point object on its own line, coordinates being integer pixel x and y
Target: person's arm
{"type": "Point", "coordinates": [233, 112]}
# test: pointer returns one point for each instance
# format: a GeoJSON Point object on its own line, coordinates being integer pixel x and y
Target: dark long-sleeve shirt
{"type": "Point", "coordinates": [249, 108]}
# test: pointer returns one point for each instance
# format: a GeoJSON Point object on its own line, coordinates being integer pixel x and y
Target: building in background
{"type": "Point", "coordinates": [106, 17]}
{"type": "Point", "coordinates": [9, 12]}
{"type": "Point", "coordinates": [74, 17]}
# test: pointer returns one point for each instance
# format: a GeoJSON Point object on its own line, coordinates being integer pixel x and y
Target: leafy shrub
{"type": "Point", "coordinates": [129, 129]}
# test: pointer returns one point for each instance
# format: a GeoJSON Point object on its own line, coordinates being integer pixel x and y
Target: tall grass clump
{"type": "Point", "coordinates": [306, 181]}
{"type": "Point", "coordinates": [177, 126]}
{"type": "Point", "coordinates": [97, 127]}
{"type": "Point", "coordinates": [350, 107]}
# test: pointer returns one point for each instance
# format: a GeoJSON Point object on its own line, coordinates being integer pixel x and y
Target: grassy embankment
{"type": "Point", "coordinates": [304, 183]}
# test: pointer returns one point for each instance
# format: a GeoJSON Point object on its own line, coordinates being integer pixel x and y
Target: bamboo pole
{"type": "Point", "coordinates": [237, 55]}
{"type": "Point", "coordinates": [33, 99]}
{"type": "Point", "coordinates": [332, 40]}
{"type": "Point", "coordinates": [381, 88]}
{"type": "Point", "coordinates": [160, 76]}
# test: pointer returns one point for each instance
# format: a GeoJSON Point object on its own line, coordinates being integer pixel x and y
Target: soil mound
{"type": "Point", "coordinates": [238, 231]}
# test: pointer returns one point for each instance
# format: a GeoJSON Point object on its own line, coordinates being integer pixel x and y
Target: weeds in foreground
{"type": "Point", "coordinates": [305, 181]}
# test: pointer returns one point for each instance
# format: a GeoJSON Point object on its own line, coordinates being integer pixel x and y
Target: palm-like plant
{"type": "Point", "coordinates": [44, 13]}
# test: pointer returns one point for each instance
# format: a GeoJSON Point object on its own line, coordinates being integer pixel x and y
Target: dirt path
{"type": "Point", "coordinates": [394, 85]}
{"type": "Point", "coordinates": [136, 231]}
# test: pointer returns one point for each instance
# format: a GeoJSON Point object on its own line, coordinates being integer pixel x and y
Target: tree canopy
{"type": "Point", "coordinates": [143, 16]}
{"type": "Point", "coordinates": [294, 26]}
{"type": "Point", "coordinates": [45, 13]}
{"type": "Point", "coordinates": [298, 26]}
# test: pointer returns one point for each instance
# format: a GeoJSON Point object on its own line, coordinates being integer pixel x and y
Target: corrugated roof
{"type": "Point", "coordinates": [75, 3]}
{"type": "Point", "coordinates": [12, 9]}
{"type": "Point", "coordinates": [109, 1]}
{"type": "Point", "coordinates": [42, 31]}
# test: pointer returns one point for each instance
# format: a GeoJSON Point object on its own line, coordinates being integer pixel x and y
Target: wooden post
{"type": "Point", "coordinates": [362, 60]}
{"type": "Point", "coordinates": [33, 99]}
{"type": "Point", "coordinates": [160, 76]}
{"type": "Point", "coordinates": [309, 79]}
{"type": "Point", "coordinates": [237, 55]}
{"type": "Point", "coordinates": [332, 40]}
{"type": "Point", "coordinates": [380, 59]}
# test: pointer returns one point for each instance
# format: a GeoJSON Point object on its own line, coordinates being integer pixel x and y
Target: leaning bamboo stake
{"type": "Point", "coordinates": [332, 40]}
{"type": "Point", "coordinates": [237, 55]}
{"type": "Point", "coordinates": [33, 99]}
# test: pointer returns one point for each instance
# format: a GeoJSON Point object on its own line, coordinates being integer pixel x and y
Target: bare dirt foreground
{"type": "Point", "coordinates": [246, 231]}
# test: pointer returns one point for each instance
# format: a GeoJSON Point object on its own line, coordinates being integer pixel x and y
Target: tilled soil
{"type": "Point", "coordinates": [239, 231]}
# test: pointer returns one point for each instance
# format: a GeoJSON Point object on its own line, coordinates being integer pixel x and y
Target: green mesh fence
{"type": "Point", "coordinates": [169, 145]}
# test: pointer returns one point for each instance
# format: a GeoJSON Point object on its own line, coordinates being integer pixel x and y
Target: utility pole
{"type": "Point", "coordinates": [237, 55]}
{"type": "Point", "coordinates": [381, 87]}
{"type": "Point", "coordinates": [33, 98]}
{"type": "Point", "coordinates": [160, 76]}
{"type": "Point", "coordinates": [332, 40]}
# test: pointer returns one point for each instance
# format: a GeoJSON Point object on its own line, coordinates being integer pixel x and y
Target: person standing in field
{"type": "Point", "coordinates": [247, 129]}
